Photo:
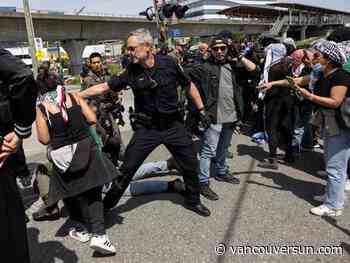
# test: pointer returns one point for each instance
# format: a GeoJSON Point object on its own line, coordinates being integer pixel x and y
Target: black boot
{"type": "Point", "coordinates": [270, 163]}
{"type": "Point", "coordinates": [198, 208]}
{"type": "Point", "coordinates": [207, 192]}
{"type": "Point", "coordinates": [227, 178]}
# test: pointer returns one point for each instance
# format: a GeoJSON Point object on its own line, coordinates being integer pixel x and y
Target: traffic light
{"type": "Point", "coordinates": [165, 11]}
{"type": "Point", "coordinates": [180, 11]}
{"type": "Point", "coordinates": [168, 10]}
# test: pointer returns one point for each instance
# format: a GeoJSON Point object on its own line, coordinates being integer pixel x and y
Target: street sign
{"type": "Point", "coordinates": [38, 43]}
{"type": "Point", "coordinates": [175, 32]}
{"type": "Point", "coordinates": [40, 54]}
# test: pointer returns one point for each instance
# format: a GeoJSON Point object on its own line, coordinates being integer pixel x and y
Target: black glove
{"type": "Point", "coordinates": [204, 120]}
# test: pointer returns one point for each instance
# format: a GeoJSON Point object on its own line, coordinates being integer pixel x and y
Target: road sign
{"type": "Point", "coordinates": [175, 32]}
{"type": "Point", "coordinates": [40, 54]}
{"type": "Point", "coordinates": [38, 43]}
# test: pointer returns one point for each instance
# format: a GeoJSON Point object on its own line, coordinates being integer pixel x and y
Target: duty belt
{"type": "Point", "coordinates": [156, 121]}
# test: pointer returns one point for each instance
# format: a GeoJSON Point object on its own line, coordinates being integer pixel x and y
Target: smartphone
{"type": "Point", "coordinates": [295, 88]}
{"type": "Point", "coordinates": [291, 83]}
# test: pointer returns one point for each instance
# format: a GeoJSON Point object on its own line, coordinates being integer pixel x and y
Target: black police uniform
{"type": "Point", "coordinates": [156, 99]}
{"type": "Point", "coordinates": [17, 106]}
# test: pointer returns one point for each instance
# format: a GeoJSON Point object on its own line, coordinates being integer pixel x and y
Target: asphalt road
{"type": "Point", "coordinates": [268, 208]}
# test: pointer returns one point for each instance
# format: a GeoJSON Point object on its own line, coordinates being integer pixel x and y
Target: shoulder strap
{"type": "Point", "coordinates": [42, 108]}
{"type": "Point", "coordinates": [46, 113]}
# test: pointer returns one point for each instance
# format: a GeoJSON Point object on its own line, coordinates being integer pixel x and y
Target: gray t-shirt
{"type": "Point", "coordinates": [226, 105]}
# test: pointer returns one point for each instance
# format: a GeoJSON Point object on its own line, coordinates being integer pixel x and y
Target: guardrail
{"type": "Point", "coordinates": [57, 12]}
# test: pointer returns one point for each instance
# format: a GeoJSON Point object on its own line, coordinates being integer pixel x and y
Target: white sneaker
{"type": "Point", "coordinates": [323, 210]}
{"type": "Point", "coordinates": [347, 185]}
{"type": "Point", "coordinates": [81, 235]}
{"type": "Point", "coordinates": [102, 245]}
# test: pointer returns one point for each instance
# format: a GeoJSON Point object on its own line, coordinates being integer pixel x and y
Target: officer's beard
{"type": "Point", "coordinates": [148, 61]}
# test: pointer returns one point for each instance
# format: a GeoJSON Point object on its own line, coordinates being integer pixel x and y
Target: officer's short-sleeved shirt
{"type": "Point", "coordinates": [155, 89]}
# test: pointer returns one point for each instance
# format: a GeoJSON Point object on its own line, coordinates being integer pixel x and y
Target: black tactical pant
{"type": "Point", "coordinates": [179, 143]}
{"type": "Point", "coordinates": [280, 122]}
{"type": "Point", "coordinates": [13, 233]}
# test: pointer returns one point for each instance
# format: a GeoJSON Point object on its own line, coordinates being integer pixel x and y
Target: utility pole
{"type": "Point", "coordinates": [155, 5]}
{"type": "Point", "coordinates": [162, 26]}
{"type": "Point", "coordinates": [30, 33]}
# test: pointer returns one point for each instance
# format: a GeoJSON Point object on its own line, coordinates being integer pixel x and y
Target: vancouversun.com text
{"type": "Point", "coordinates": [223, 249]}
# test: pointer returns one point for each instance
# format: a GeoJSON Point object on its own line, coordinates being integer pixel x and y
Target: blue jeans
{"type": "Point", "coordinates": [222, 149]}
{"type": "Point", "coordinates": [303, 131]}
{"type": "Point", "coordinates": [148, 170]}
{"type": "Point", "coordinates": [207, 151]}
{"type": "Point", "coordinates": [337, 154]}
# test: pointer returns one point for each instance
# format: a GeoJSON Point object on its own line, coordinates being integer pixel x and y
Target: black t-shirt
{"type": "Point", "coordinates": [338, 78]}
{"type": "Point", "coordinates": [155, 89]}
{"type": "Point", "coordinates": [279, 71]}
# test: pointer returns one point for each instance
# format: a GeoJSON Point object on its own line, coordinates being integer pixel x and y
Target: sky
{"type": "Point", "coordinates": [132, 7]}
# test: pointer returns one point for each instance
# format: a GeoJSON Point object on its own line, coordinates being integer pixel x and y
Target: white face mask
{"type": "Point", "coordinates": [323, 67]}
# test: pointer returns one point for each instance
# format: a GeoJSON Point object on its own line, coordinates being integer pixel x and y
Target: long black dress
{"type": "Point", "coordinates": [99, 169]}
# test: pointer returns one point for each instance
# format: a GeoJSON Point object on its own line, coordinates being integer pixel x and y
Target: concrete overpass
{"type": "Point", "coordinates": [75, 32]}
{"type": "Point", "coordinates": [71, 27]}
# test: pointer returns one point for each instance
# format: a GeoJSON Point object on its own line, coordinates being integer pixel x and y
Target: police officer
{"type": "Point", "coordinates": [154, 79]}
{"type": "Point", "coordinates": [17, 105]}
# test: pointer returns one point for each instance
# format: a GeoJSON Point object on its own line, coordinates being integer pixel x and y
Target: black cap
{"type": "Point", "coordinates": [217, 41]}
{"type": "Point", "coordinates": [225, 34]}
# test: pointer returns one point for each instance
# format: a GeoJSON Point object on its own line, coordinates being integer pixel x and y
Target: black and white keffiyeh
{"type": "Point", "coordinates": [58, 98]}
{"type": "Point", "coordinates": [332, 51]}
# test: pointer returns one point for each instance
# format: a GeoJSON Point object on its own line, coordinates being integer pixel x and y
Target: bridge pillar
{"type": "Point", "coordinates": [75, 50]}
{"type": "Point", "coordinates": [303, 33]}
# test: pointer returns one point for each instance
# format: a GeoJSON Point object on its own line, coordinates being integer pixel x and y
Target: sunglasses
{"type": "Point", "coordinates": [132, 49]}
{"type": "Point", "coordinates": [222, 48]}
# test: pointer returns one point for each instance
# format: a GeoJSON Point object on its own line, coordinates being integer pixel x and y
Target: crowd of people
{"type": "Point", "coordinates": [289, 96]}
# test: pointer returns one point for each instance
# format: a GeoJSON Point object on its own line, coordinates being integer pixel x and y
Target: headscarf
{"type": "Point", "coordinates": [58, 98]}
{"type": "Point", "coordinates": [273, 54]}
{"type": "Point", "coordinates": [333, 52]}
{"type": "Point", "coordinates": [297, 58]}
{"type": "Point", "coordinates": [317, 44]}
{"type": "Point", "coordinates": [290, 41]}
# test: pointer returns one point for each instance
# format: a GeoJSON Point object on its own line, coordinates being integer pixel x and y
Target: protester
{"type": "Point", "coordinates": [280, 111]}
{"type": "Point", "coordinates": [334, 88]}
{"type": "Point", "coordinates": [217, 79]}
{"type": "Point", "coordinates": [79, 168]}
